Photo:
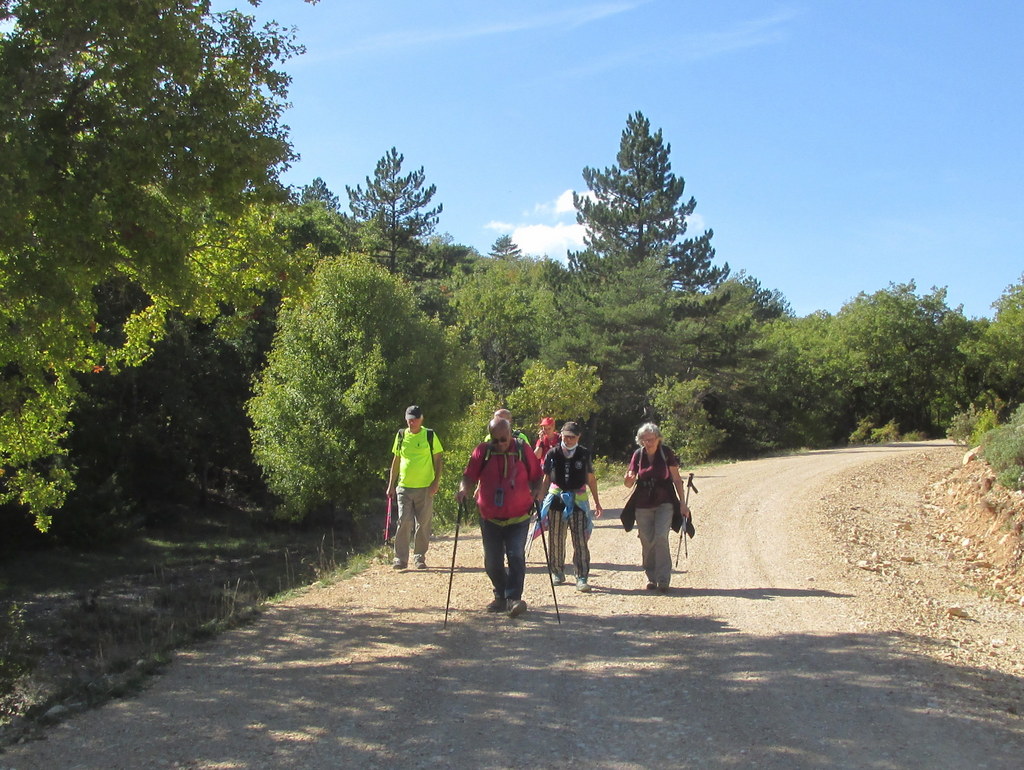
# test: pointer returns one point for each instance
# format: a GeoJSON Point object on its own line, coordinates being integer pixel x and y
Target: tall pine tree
{"type": "Point", "coordinates": [635, 212]}
{"type": "Point", "coordinates": [398, 207]}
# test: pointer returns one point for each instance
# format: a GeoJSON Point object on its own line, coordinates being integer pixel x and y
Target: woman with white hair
{"type": "Point", "coordinates": [654, 470]}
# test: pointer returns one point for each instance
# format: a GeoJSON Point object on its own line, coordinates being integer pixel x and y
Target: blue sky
{"type": "Point", "coordinates": [833, 146]}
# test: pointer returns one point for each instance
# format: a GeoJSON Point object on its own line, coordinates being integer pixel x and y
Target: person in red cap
{"type": "Point", "coordinates": [547, 438]}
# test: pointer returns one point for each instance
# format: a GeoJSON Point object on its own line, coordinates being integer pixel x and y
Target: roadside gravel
{"type": "Point", "coordinates": [797, 634]}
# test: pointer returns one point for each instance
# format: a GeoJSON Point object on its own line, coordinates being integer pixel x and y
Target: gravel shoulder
{"type": "Point", "coordinates": [809, 625]}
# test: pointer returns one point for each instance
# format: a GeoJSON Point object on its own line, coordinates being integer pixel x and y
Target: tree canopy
{"type": "Point", "coordinates": [142, 141]}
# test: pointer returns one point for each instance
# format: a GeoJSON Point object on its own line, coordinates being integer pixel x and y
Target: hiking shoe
{"type": "Point", "coordinates": [663, 588]}
{"type": "Point", "coordinates": [421, 564]}
{"type": "Point", "coordinates": [582, 585]}
{"type": "Point", "coordinates": [558, 577]}
{"type": "Point", "coordinates": [651, 586]}
{"type": "Point", "coordinates": [516, 607]}
{"type": "Point", "coordinates": [498, 605]}
{"type": "Point", "coordinates": [397, 564]}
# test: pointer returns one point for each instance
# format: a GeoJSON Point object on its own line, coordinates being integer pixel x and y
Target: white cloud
{"type": "Point", "coordinates": [551, 238]}
{"type": "Point", "coordinates": [564, 204]}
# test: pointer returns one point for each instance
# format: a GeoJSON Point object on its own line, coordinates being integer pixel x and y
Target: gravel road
{"type": "Point", "coordinates": [772, 650]}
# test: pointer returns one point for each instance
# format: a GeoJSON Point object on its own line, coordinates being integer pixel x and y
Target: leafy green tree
{"type": "Point", "coordinates": [502, 305]}
{"type": "Point", "coordinates": [906, 357]}
{"type": "Point", "coordinates": [569, 392]}
{"type": "Point", "coordinates": [803, 383]}
{"type": "Point", "coordinates": [397, 205]}
{"type": "Point", "coordinates": [441, 266]}
{"type": "Point", "coordinates": [142, 140]}
{"type": "Point", "coordinates": [315, 222]}
{"type": "Point", "coordinates": [684, 421]}
{"type": "Point", "coordinates": [999, 352]}
{"type": "Point", "coordinates": [349, 355]}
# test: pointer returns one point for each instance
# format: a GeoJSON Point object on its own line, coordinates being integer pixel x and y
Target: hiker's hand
{"type": "Point", "coordinates": [460, 495]}
{"type": "Point", "coordinates": [598, 510]}
{"type": "Point", "coordinates": [390, 491]}
{"type": "Point", "coordinates": [629, 479]}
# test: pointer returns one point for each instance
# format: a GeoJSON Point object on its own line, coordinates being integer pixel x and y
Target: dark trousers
{"type": "Point", "coordinates": [501, 544]}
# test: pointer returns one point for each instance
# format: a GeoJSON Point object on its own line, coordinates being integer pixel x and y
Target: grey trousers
{"type": "Point", "coordinates": [415, 511]}
{"type": "Point", "coordinates": [653, 526]}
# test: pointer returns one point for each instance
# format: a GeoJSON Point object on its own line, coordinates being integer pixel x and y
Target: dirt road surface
{"type": "Point", "coordinates": [772, 650]}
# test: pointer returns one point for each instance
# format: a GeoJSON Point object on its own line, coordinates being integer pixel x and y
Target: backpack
{"type": "Point", "coordinates": [430, 439]}
{"type": "Point", "coordinates": [519, 448]}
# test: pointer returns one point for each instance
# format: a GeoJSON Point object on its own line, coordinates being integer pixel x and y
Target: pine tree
{"type": "Point", "coordinates": [317, 190]}
{"type": "Point", "coordinates": [637, 214]}
{"type": "Point", "coordinates": [397, 206]}
{"type": "Point", "coordinates": [505, 248]}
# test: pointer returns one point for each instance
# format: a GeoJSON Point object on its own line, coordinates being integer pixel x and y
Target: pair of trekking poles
{"type": "Point", "coordinates": [687, 528]}
{"type": "Point", "coordinates": [455, 548]}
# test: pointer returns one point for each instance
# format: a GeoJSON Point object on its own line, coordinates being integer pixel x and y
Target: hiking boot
{"type": "Point", "coordinates": [516, 607]}
{"type": "Point", "coordinates": [582, 585]}
{"type": "Point", "coordinates": [398, 564]}
{"type": "Point", "coordinates": [497, 605]}
{"type": "Point", "coordinates": [558, 577]}
{"type": "Point", "coordinates": [663, 588]}
{"type": "Point", "coordinates": [421, 564]}
{"type": "Point", "coordinates": [651, 586]}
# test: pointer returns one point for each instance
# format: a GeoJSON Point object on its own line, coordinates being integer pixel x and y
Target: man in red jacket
{"type": "Point", "coordinates": [507, 477]}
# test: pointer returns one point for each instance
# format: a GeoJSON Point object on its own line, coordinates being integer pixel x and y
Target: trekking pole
{"type": "Point", "coordinates": [682, 529]}
{"type": "Point", "coordinates": [451, 574]}
{"type": "Point", "coordinates": [547, 565]}
{"type": "Point", "coordinates": [387, 523]}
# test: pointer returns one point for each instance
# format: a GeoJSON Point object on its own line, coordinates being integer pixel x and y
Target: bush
{"type": "Point", "coordinates": [886, 434]}
{"type": "Point", "coordinates": [1003, 448]}
{"type": "Point", "coordinates": [986, 422]}
{"type": "Point", "coordinates": [862, 434]}
{"type": "Point", "coordinates": [1012, 477]}
{"type": "Point", "coordinates": [962, 426]}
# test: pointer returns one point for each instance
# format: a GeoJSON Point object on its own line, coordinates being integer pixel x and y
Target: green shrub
{"type": "Point", "coordinates": [862, 434]}
{"type": "Point", "coordinates": [987, 420]}
{"type": "Point", "coordinates": [962, 426]}
{"type": "Point", "coordinates": [1003, 448]}
{"type": "Point", "coordinates": [1012, 477]}
{"type": "Point", "coordinates": [886, 434]}
{"type": "Point", "coordinates": [969, 427]}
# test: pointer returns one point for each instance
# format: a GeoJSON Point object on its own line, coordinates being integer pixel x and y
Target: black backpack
{"type": "Point", "coordinates": [430, 439]}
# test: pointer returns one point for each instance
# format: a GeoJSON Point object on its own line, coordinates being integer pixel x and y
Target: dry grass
{"type": "Point", "coordinates": [77, 629]}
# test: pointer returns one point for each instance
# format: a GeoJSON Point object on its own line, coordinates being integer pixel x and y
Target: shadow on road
{"type": "Point", "coordinates": [337, 688]}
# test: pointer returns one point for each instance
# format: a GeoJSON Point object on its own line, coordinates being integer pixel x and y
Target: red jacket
{"type": "Point", "coordinates": [505, 479]}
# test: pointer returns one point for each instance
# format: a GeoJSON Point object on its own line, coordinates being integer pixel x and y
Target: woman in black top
{"type": "Point", "coordinates": [568, 473]}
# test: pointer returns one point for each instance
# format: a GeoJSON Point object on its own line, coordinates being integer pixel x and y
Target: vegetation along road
{"type": "Point", "coordinates": [774, 648]}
